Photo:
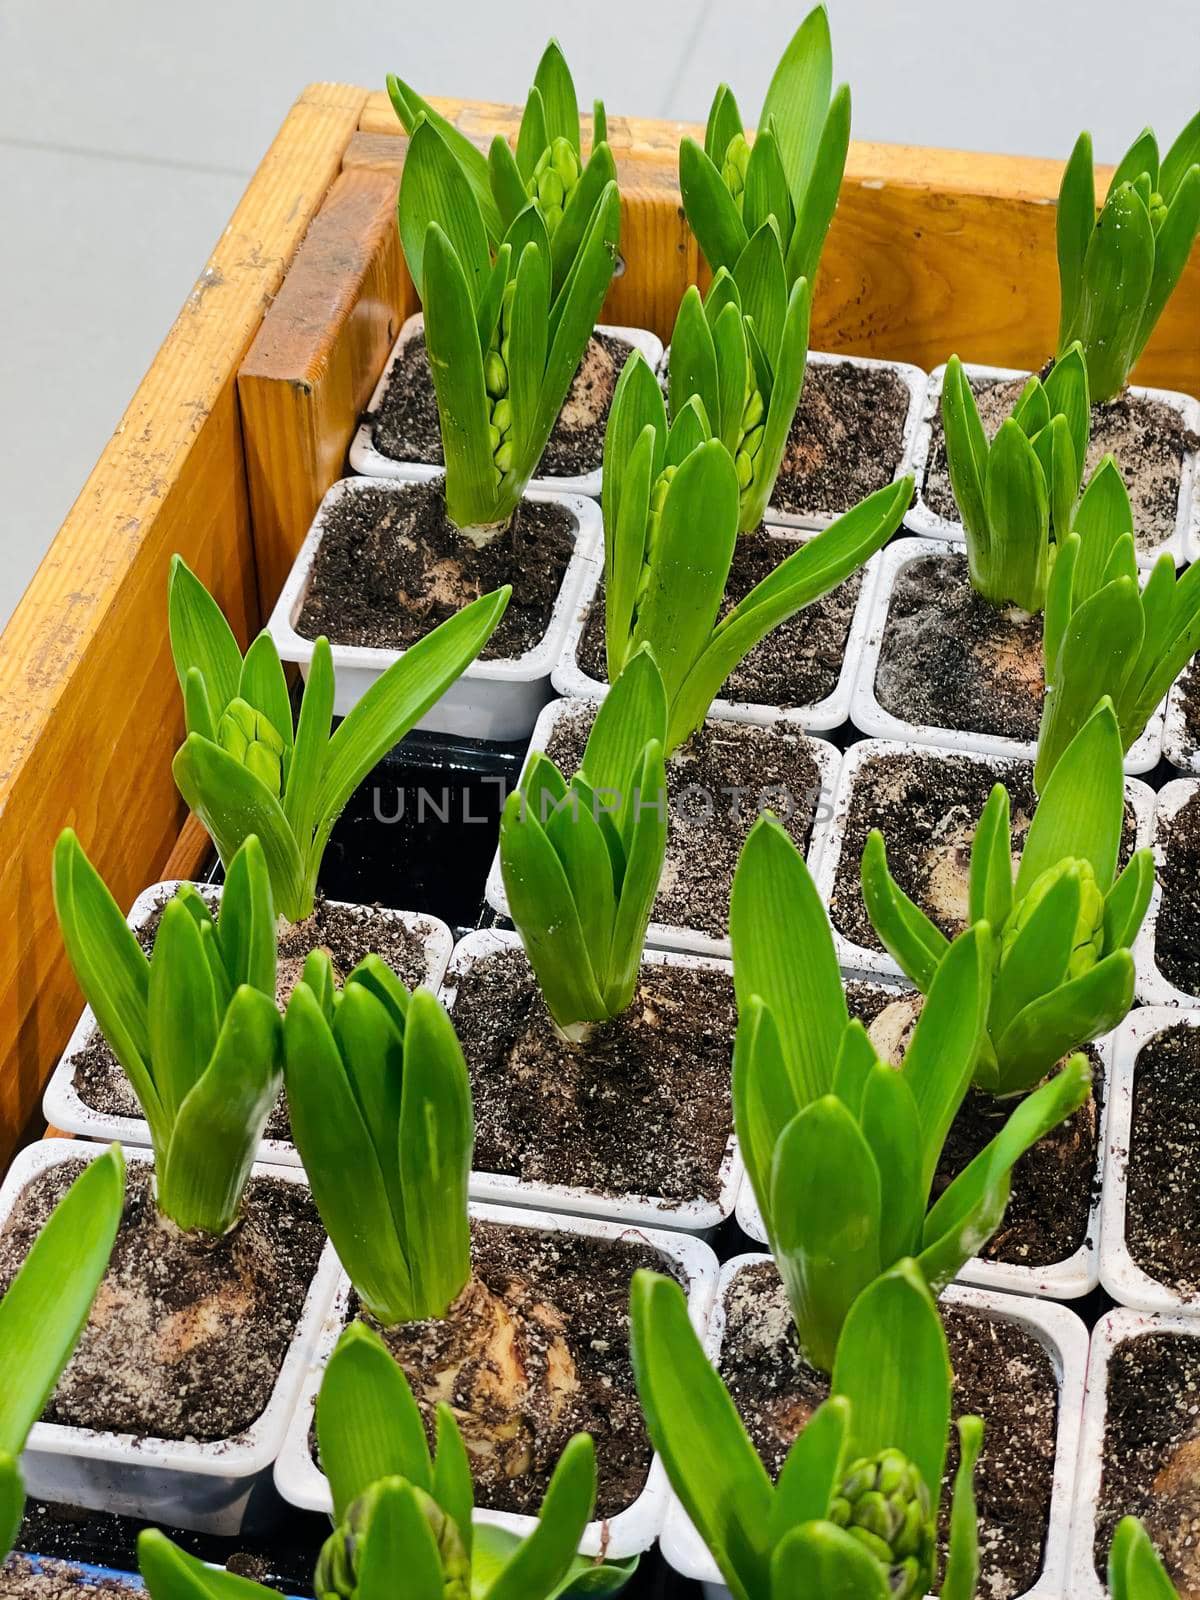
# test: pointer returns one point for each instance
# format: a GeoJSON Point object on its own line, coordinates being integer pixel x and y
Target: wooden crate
{"type": "Point", "coordinates": [244, 419]}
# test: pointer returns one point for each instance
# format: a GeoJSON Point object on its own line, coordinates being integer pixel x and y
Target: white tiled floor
{"type": "Point", "coordinates": [128, 128]}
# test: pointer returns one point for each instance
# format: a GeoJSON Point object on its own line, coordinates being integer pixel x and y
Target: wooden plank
{"type": "Point", "coordinates": [89, 713]}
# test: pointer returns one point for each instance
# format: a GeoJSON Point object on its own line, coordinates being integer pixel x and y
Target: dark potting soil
{"type": "Point", "coordinates": [20, 1579]}
{"type": "Point", "coordinates": [927, 807]}
{"type": "Point", "coordinates": [1053, 1184]}
{"type": "Point", "coordinates": [797, 665]}
{"type": "Point", "coordinates": [643, 1107]}
{"type": "Point", "coordinates": [1152, 1452]}
{"type": "Point", "coordinates": [1189, 701]}
{"type": "Point", "coordinates": [846, 439]}
{"type": "Point", "coordinates": [1148, 438]}
{"type": "Point", "coordinates": [406, 427]}
{"type": "Point", "coordinates": [717, 783]}
{"type": "Point", "coordinates": [391, 567]}
{"type": "Point", "coordinates": [347, 932]}
{"type": "Point", "coordinates": [1163, 1191]}
{"type": "Point", "coordinates": [1177, 930]}
{"type": "Point", "coordinates": [949, 659]}
{"type": "Point", "coordinates": [1000, 1373]}
{"type": "Point", "coordinates": [187, 1334]}
{"type": "Point", "coordinates": [535, 1349]}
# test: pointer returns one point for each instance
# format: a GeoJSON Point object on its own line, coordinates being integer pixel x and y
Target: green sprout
{"type": "Point", "coordinates": [380, 1107]}
{"type": "Point", "coordinates": [1116, 271]}
{"type": "Point", "coordinates": [663, 585]}
{"type": "Point", "coordinates": [842, 1149]}
{"type": "Point", "coordinates": [1135, 1571]}
{"type": "Point", "coordinates": [45, 1309]}
{"type": "Point", "coordinates": [243, 769]}
{"type": "Point", "coordinates": [1062, 970]}
{"type": "Point", "coordinates": [853, 1513]}
{"type": "Point", "coordinates": [791, 172]}
{"type": "Point", "coordinates": [582, 861]}
{"type": "Point", "coordinates": [194, 1025]}
{"type": "Point", "coordinates": [505, 335]}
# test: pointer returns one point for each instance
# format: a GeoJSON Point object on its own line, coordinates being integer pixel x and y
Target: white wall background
{"type": "Point", "coordinates": [128, 129]}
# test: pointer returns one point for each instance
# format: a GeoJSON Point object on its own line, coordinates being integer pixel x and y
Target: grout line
{"type": "Point", "coordinates": [684, 57]}
{"type": "Point", "coordinates": [48, 147]}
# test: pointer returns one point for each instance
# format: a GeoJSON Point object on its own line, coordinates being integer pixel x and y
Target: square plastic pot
{"type": "Point", "coordinates": [1060, 1333]}
{"type": "Point", "coordinates": [301, 1482]}
{"type": "Point", "coordinates": [570, 679]}
{"type": "Point", "coordinates": [923, 520]}
{"type": "Point", "coordinates": [64, 1109]}
{"type": "Point", "coordinates": [365, 458]}
{"type": "Point", "coordinates": [661, 935]}
{"type": "Point", "coordinates": [1154, 988]}
{"type": "Point", "coordinates": [1078, 1274]}
{"type": "Point", "coordinates": [222, 1487]}
{"type": "Point", "coordinates": [634, 1211]}
{"type": "Point", "coordinates": [828, 848]}
{"type": "Point", "coordinates": [871, 718]}
{"type": "Point", "coordinates": [493, 699]}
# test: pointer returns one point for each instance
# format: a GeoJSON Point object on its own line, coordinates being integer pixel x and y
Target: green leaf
{"type": "Point", "coordinates": [263, 686]}
{"type": "Point", "coordinates": [246, 928]}
{"type": "Point", "coordinates": [368, 1424]}
{"type": "Point", "coordinates": [1141, 157]}
{"type": "Point", "coordinates": [1036, 961]}
{"type": "Point", "coordinates": [553, 82]}
{"type": "Point", "coordinates": [1172, 247]}
{"type": "Point", "coordinates": [892, 1128]}
{"type": "Point", "coordinates": [46, 1306]}
{"type": "Point", "coordinates": [1085, 1008]}
{"type": "Point", "coordinates": [633, 713]}
{"type": "Point", "coordinates": [624, 548]}
{"type": "Point", "coordinates": [410, 108]}
{"type": "Point", "coordinates": [692, 368]}
{"type": "Point", "coordinates": [637, 405]}
{"type": "Point", "coordinates": [400, 1540]}
{"type": "Point", "coordinates": [694, 1426]}
{"type": "Point", "coordinates": [1117, 273]}
{"type": "Point", "coordinates": [729, 340]}
{"type": "Point", "coordinates": [1082, 807]}
{"type": "Point", "coordinates": [915, 943]}
{"type": "Point", "coordinates": [1183, 155]}
{"type": "Point", "coordinates": [601, 170]}
{"type": "Point", "coordinates": [201, 638]}
{"type": "Point", "coordinates": [1102, 517]}
{"type": "Point", "coordinates": [762, 287]}
{"type": "Point", "coordinates": [1076, 219]}
{"type": "Point", "coordinates": [813, 1471]}
{"type": "Point", "coordinates": [1127, 902]}
{"type": "Point", "coordinates": [452, 1487]}
{"type": "Point", "coordinates": [646, 850]}
{"type": "Point", "coordinates": [962, 1561]}
{"type": "Point", "coordinates": [1017, 505]}
{"type": "Point", "coordinates": [766, 194]}
{"type": "Point", "coordinates": [724, 123]}
{"type": "Point", "coordinates": [798, 98]}
{"type": "Point", "coordinates": [541, 1562]}
{"type": "Point", "coordinates": [711, 213]}
{"type": "Point", "coordinates": [1096, 656]}
{"type": "Point", "coordinates": [505, 181]}
{"type": "Point", "coordinates": [1135, 1571]}
{"type": "Point", "coordinates": [820, 1558]}
{"type": "Point", "coordinates": [532, 136]}
{"type": "Point", "coordinates": [528, 320]}
{"type": "Point", "coordinates": [435, 192]}
{"type": "Point", "coordinates": [1066, 390]}
{"type": "Point", "coordinates": [170, 1573]}
{"type": "Point", "coordinates": [966, 457]}
{"type": "Point", "coordinates": [183, 1010]}
{"type": "Point", "coordinates": [12, 1502]}
{"type": "Point", "coordinates": [990, 893]}
{"type": "Point", "coordinates": [786, 386]}
{"type": "Point", "coordinates": [815, 211]}
{"type": "Point", "coordinates": [764, 1098]}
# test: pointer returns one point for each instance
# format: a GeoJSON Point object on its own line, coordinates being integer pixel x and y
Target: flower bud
{"type": "Point", "coordinates": [1087, 938]}
{"type": "Point", "coordinates": [503, 456]}
{"type": "Point", "coordinates": [249, 737]}
{"type": "Point", "coordinates": [752, 413]}
{"type": "Point", "coordinates": [752, 443]}
{"type": "Point", "coordinates": [745, 469]}
{"type": "Point", "coordinates": [495, 374]}
{"type": "Point", "coordinates": [551, 189]}
{"type": "Point", "coordinates": [338, 1565]}
{"type": "Point", "coordinates": [502, 415]}
{"type": "Point", "coordinates": [565, 162]}
{"type": "Point", "coordinates": [552, 216]}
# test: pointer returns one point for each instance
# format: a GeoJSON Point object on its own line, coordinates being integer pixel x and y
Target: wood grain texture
{"type": "Point", "coordinates": [89, 712]}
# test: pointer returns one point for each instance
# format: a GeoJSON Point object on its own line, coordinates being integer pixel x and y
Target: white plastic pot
{"type": "Point", "coordinates": [222, 1487]}
{"type": "Point", "coordinates": [827, 850]}
{"type": "Point", "coordinates": [365, 458]}
{"type": "Point", "coordinates": [1113, 1329]}
{"type": "Point", "coordinates": [493, 699]}
{"type": "Point", "coordinates": [636, 1211]}
{"type": "Point", "coordinates": [61, 1103]}
{"type": "Point", "coordinates": [1154, 988]}
{"type": "Point", "coordinates": [301, 1482]}
{"type": "Point", "coordinates": [570, 679]}
{"type": "Point", "coordinates": [661, 935]}
{"type": "Point", "coordinates": [1078, 1274]}
{"type": "Point", "coordinates": [923, 520]}
{"type": "Point", "coordinates": [1125, 1281]}
{"type": "Point", "coordinates": [1179, 747]}
{"type": "Point", "coordinates": [1060, 1333]}
{"type": "Point", "coordinates": [871, 718]}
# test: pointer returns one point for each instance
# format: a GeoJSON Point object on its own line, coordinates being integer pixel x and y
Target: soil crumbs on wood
{"type": "Point", "coordinates": [555, 1308]}
{"type": "Point", "coordinates": [1177, 930]}
{"type": "Point", "coordinates": [187, 1334]}
{"type": "Point", "coordinates": [927, 807]}
{"type": "Point", "coordinates": [1148, 438]}
{"type": "Point", "coordinates": [391, 567]}
{"type": "Point", "coordinates": [641, 1108]}
{"type": "Point", "coordinates": [1163, 1194]}
{"type": "Point", "coordinates": [346, 932]}
{"type": "Point", "coordinates": [717, 783]}
{"type": "Point", "coordinates": [846, 439]}
{"type": "Point", "coordinates": [952, 660]}
{"type": "Point", "coordinates": [1054, 1185]}
{"type": "Point", "coordinates": [20, 1579]}
{"type": "Point", "coordinates": [406, 427]}
{"type": "Point", "coordinates": [1152, 1452]}
{"type": "Point", "coordinates": [1000, 1373]}
{"type": "Point", "coordinates": [798, 664]}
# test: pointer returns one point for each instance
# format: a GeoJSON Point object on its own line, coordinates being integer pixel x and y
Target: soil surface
{"type": "Point", "coordinates": [717, 783]}
{"type": "Point", "coordinates": [347, 932]}
{"type": "Point", "coordinates": [390, 567]}
{"type": "Point", "coordinates": [54, 1580]}
{"type": "Point", "coordinates": [187, 1334]}
{"type": "Point", "coordinates": [797, 665]}
{"type": "Point", "coordinates": [554, 1307]}
{"type": "Point", "coordinates": [1053, 1185]}
{"type": "Point", "coordinates": [641, 1108]}
{"type": "Point", "coordinates": [1189, 701]}
{"type": "Point", "coordinates": [952, 660]}
{"type": "Point", "coordinates": [928, 806]}
{"type": "Point", "coordinates": [1000, 1373]}
{"type": "Point", "coordinates": [1148, 438]}
{"type": "Point", "coordinates": [406, 426]}
{"type": "Point", "coordinates": [1152, 1452]}
{"type": "Point", "coordinates": [846, 439]}
{"type": "Point", "coordinates": [1164, 1160]}
{"type": "Point", "coordinates": [1177, 930]}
